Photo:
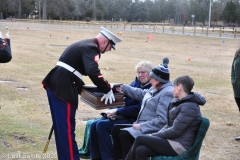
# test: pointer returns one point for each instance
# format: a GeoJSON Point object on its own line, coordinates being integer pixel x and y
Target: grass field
{"type": "Point", "coordinates": [25, 116]}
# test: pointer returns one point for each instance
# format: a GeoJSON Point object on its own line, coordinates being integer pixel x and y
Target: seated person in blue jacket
{"type": "Point", "coordinates": [5, 50]}
{"type": "Point", "coordinates": [101, 147]}
{"type": "Point", "coordinates": [152, 116]}
{"type": "Point", "coordinates": [183, 120]}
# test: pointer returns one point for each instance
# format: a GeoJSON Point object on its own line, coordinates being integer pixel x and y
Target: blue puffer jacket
{"type": "Point", "coordinates": [183, 119]}
{"type": "Point", "coordinates": [132, 106]}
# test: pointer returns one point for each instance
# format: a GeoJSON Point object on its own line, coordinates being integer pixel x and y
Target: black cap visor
{"type": "Point", "coordinates": [112, 44]}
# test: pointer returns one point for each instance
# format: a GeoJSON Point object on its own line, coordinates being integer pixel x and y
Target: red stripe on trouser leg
{"type": "Point", "coordinates": [69, 131]}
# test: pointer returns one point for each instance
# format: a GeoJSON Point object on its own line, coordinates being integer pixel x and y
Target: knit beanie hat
{"type": "Point", "coordinates": [161, 73]}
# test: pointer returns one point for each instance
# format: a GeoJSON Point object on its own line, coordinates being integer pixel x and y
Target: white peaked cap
{"type": "Point", "coordinates": [110, 36]}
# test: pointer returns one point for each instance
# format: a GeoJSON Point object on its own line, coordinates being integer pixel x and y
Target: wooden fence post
{"type": "Point", "coordinates": [207, 32]}
{"type": "Point", "coordinates": [235, 33]}
{"type": "Point", "coordinates": [163, 28]}
{"type": "Point", "coordinates": [194, 30]}
{"type": "Point", "coordinates": [183, 30]}
{"type": "Point", "coordinates": [172, 28]}
{"type": "Point", "coordinates": [131, 26]}
{"type": "Point", "coordinates": [220, 32]}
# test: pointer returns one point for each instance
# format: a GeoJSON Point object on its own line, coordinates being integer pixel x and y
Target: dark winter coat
{"type": "Point", "coordinates": [5, 51]}
{"type": "Point", "coordinates": [235, 76]}
{"type": "Point", "coordinates": [183, 119]}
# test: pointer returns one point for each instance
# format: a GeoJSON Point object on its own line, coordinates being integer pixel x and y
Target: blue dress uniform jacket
{"type": "Point", "coordinates": [5, 51]}
{"type": "Point", "coordinates": [83, 56]}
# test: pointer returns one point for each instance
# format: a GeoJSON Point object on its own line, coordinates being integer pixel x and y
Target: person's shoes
{"type": "Point", "coordinates": [99, 158]}
{"type": "Point", "coordinates": [237, 138]}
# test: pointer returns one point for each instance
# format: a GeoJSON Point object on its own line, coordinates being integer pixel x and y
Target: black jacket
{"type": "Point", "coordinates": [82, 56]}
{"type": "Point", "coordinates": [184, 118]}
{"type": "Point", "coordinates": [5, 51]}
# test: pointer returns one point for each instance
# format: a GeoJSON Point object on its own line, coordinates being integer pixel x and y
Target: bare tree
{"type": "Point", "coordinates": [44, 11]}
{"type": "Point", "coordinates": [39, 9]}
{"type": "Point", "coordinates": [94, 9]}
{"type": "Point", "coordinates": [19, 8]}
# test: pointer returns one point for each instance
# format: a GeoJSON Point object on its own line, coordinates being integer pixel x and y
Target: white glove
{"type": "Point", "coordinates": [109, 96]}
{"type": "Point", "coordinates": [7, 34]}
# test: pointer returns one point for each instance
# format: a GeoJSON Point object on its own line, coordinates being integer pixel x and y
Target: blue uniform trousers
{"type": "Point", "coordinates": [63, 117]}
{"type": "Point", "coordinates": [101, 145]}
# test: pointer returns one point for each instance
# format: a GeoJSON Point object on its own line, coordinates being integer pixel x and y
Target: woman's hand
{"type": "Point", "coordinates": [111, 113]}
{"type": "Point", "coordinates": [119, 89]}
{"type": "Point", "coordinates": [136, 126]}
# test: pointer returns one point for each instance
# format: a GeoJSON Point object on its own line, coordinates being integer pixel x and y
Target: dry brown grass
{"type": "Point", "coordinates": [24, 114]}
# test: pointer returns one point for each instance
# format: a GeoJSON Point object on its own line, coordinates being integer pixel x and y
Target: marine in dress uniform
{"type": "Point", "coordinates": [63, 84]}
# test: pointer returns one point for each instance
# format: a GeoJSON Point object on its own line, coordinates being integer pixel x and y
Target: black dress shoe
{"type": "Point", "coordinates": [99, 158]}
{"type": "Point", "coordinates": [237, 138]}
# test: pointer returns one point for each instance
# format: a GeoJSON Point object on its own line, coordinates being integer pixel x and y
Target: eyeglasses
{"type": "Point", "coordinates": [141, 72]}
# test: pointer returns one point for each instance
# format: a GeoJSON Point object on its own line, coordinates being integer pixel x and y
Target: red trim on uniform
{"type": "Point", "coordinates": [69, 131]}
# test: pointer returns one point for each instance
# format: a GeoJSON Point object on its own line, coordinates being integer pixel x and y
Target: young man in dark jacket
{"type": "Point", "coordinates": [62, 84]}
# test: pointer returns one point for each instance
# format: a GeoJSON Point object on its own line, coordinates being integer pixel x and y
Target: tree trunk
{"type": "Point", "coordinates": [19, 8]}
{"type": "Point", "coordinates": [94, 10]}
{"type": "Point", "coordinates": [44, 15]}
{"type": "Point", "coordinates": [39, 9]}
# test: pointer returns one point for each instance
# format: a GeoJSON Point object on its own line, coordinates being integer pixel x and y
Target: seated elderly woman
{"type": "Point", "coordinates": [100, 130]}
{"type": "Point", "coordinates": [152, 116]}
{"type": "Point", "coordinates": [5, 50]}
{"type": "Point", "coordinates": [183, 120]}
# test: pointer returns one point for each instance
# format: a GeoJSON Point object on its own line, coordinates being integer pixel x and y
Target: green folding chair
{"type": "Point", "coordinates": [84, 151]}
